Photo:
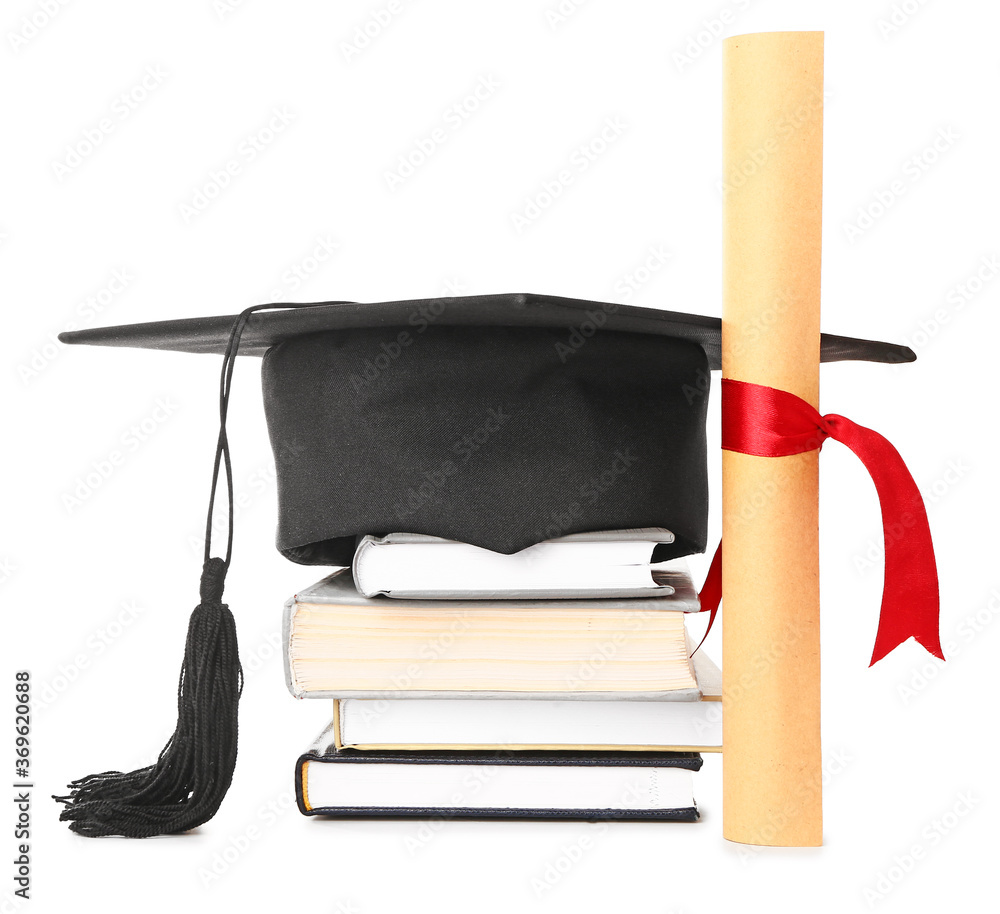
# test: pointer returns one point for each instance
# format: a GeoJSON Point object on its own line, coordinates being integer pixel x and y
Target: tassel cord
{"type": "Point", "coordinates": [186, 785]}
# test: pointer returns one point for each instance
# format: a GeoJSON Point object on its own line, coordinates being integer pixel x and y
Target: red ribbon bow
{"type": "Point", "coordinates": [766, 422]}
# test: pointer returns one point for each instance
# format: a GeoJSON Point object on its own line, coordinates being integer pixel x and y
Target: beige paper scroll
{"type": "Point", "coordinates": [772, 187]}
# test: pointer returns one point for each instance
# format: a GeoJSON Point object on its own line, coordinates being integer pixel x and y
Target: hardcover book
{"type": "Point", "coordinates": [340, 644]}
{"type": "Point", "coordinates": [616, 563]}
{"type": "Point", "coordinates": [506, 784]}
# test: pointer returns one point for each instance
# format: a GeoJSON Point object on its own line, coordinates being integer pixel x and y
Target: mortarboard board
{"type": "Point", "coordinates": [496, 420]}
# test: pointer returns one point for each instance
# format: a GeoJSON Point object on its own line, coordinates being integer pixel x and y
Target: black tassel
{"type": "Point", "coordinates": [190, 778]}
{"type": "Point", "coordinates": [187, 784]}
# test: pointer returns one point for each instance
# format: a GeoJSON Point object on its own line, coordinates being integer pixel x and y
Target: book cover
{"type": "Point", "coordinates": [495, 785]}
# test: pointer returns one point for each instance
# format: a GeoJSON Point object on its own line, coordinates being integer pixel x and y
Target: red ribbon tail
{"type": "Point", "coordinates": [910, 595]}
{"type": "Point", "coordinates": [710, 595]}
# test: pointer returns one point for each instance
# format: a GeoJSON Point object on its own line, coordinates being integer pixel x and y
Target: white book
{"type": "Point", "coordinates": [447, 725]}
{"type": "Point", "coordinates": [610, 564]}
{"type": "Point", "coordinates": [520, 788]}
{"type": "Point", "coordinates": [568, 785]}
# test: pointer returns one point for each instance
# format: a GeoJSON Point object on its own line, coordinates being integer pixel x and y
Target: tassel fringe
{"type": "Point", "coordinates": [193, 772]}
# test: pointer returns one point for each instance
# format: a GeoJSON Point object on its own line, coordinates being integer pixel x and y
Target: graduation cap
{"type": "Point", "coordinates": [495, 420]}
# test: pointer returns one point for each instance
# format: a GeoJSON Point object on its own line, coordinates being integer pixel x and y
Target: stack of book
{"type": "Point", "coordinates": [557, 682]}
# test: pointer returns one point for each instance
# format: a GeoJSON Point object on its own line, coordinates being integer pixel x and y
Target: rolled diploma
{"type": "Point", "coordinates": [772, 207]}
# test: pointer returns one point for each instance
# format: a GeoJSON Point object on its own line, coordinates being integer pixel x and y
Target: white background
{"type": "Point", "coordinates": [904, 742]}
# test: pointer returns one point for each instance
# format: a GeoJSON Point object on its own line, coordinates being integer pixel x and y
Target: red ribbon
{"type": "Point", "coordinates": [766, 422]}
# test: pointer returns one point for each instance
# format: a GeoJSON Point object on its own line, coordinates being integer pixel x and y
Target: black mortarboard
{"type": "Point", "coordinates": [496, 420]}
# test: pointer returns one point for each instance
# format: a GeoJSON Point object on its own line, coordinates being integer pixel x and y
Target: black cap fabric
{"type": "Point", "coordinates": [492, 436]}
{"type": "Point", "coordinates": [267, 329]}
{"type": "Point", "coordinates": [496, 420]}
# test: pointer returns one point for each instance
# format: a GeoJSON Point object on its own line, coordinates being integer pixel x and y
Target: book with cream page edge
{"type": "Point", "coordinates": [339, 644]}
